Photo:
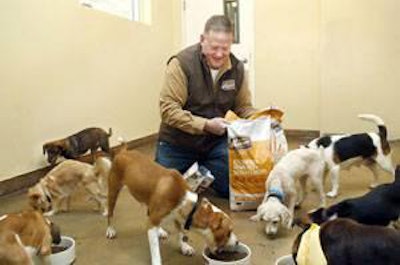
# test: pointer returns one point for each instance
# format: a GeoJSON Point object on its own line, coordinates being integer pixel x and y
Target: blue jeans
{"type": "Point", "coordinates": [216, 160]}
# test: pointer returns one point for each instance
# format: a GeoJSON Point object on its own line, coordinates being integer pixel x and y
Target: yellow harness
{"type": "Point", "coordinates": [310, 251]}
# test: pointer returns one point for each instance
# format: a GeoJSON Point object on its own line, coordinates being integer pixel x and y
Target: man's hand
{"type": "Point", "coordinates": [216, 126]}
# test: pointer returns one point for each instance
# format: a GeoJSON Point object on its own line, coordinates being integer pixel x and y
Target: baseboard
{"type": "Point", "coordinates": [21, 183]}
{"type": "Point", "coordinates": [293, 133]}
{"type": "Point", "coordinates": [302, 137]}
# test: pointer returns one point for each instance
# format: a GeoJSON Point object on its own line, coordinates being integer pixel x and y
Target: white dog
{"type": "Point", "coordinates": [281, 195]}
{"type": "Point", "coordinates": [371, 149]}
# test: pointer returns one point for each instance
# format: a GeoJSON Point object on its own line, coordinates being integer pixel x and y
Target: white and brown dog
{"type": "Point", "coordinates": [371, 149]}
{"type": "Point", "coordinates": [54, 190]}
{"type": "Point", "coordinates": [169, 200]}
{"type": "Point", "coordinates": [24, 235]}
{"type": "Point", "coordinates": [281, 195]}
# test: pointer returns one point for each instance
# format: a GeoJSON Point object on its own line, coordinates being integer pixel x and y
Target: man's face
{"type": "Point", "coordinates": [216, 47]}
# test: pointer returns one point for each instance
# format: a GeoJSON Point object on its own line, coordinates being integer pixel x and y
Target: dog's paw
{"type": "Point", "coordinates": [111, 232]}
{"type": "Point", "coordinates": [331, 194]}
{"type": "Point", "coordinates": [162, 234]}
{"type": "Point", "coordinates": [187, 250]}
{"type": "Point", "coordinates": [255, 218]}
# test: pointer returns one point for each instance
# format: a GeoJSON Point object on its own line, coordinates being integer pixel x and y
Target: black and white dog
{"type": "Point", "coordinates": [371, 149]}
{"type": "Point", "coordinates": [380, 206]}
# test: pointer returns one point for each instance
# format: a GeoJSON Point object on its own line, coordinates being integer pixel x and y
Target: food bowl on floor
{"type": "Point", "coordinates": [285, 260]}
{"type": "Point", "coordinates": [240, 256]}
{"type": "Point", "coordinates": [63, 253]}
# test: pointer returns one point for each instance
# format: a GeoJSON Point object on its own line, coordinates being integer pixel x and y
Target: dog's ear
{"type": "Point", "coordinates": [205, 201]}
{"type": "Point", "coordinates": [33, 194]}
{"type": "Point", "coordinates": [317, 216]}
{"type": "Point", "coordinates": [215, 221]}
{"type": "Point", "coordinates": [44, 149]}
{"type": "Point", "coordinates": [304, 221]}
{"type": "Point", "coordinates": [34, 200]}
{"type": "Point", "coordinates": [261, 209]}
{"type": "Point", "coordinates": [286, 218]}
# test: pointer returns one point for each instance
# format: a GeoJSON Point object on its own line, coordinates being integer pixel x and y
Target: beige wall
{"type": "Point", "coordinates": [65, 67]}
{"type": "Point", "coordinates": [287, 59]}
{"type": "Point", "coordinates": [360, 70]}
{"type": "Point", "coordinates": [325, 61]}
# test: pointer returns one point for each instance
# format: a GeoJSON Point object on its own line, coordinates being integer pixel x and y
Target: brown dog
{"type": "Point", "coordinates": [78, 144]}
{"type": "Point", "coordinates": [62, 181]}
{"type": "Point", "coordinates": [168, 198]}
{"type": "Point", "coordinates": [25, 234]}
{"type": "Point", "coordinates": [344, 242]}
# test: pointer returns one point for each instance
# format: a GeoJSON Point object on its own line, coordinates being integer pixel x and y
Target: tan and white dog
{"type": "Point", "coordinates": [54, 190]}
{"type": "Point", "coordinates": [370, 149]}
{"type": "Point", "coordinates": [25, 234]}
{"type": "Point", "coordinates": [169, 200]}
{"type": "Point", "coordinates": [281, 195]}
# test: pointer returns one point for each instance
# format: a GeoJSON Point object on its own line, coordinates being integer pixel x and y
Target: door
{"type": "Point", "coordinates": [196, 13]}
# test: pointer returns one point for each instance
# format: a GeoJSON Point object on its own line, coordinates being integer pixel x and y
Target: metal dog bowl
{"type": "Point", "coordinates": [285, 260]}
{"type": "Point", "coordinates": [241, 248]}
{"type": "Point", "coordinates": [67, 256]}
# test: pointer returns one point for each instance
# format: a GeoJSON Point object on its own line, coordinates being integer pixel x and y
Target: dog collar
{"type": "Point", "coordinates": [275, 192]}
{"type": "Point", "coordinates": [189, 219]}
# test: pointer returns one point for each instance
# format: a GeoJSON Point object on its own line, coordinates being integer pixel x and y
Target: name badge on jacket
{"type": "Point", "coordinates": [228, 85]}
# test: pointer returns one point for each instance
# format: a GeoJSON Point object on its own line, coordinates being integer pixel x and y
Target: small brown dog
{"type": "Point", "coordinates": [25, 234]}
{"type": "Point", "coordinates": [57, 186]}
{"type": "Point", "coordinates": [169, 200]}
{"type": "Point", "coordinates": [78, 144]}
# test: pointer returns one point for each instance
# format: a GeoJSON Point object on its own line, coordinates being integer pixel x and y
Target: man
{"type": "Point", "coordinates": [202, 83]}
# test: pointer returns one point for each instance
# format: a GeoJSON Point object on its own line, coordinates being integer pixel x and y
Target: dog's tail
{"type": "Point", "coordinates": [371, 117]}
{"type": "Point", "coordinates": [381, 126]}
{"type": "Point", "coordinates": [124, 144]}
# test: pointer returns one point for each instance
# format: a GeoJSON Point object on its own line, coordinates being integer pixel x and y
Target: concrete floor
{"type": "Point", "coordinates": [130, 247]}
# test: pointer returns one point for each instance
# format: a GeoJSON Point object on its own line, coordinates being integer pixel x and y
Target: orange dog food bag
{"type": "Point", "coordinates": [252, 152]}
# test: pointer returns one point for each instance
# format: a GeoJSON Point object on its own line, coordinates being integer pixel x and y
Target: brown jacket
{"type": "Point", "coordinates": [189, 97]}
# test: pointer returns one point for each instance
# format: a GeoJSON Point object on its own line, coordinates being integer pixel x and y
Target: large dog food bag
{"type": "Point", "coordinates": [254, 144]}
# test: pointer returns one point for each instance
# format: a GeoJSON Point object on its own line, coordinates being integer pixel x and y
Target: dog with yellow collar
{"type": "Point", "coordinates": [344, 242]}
